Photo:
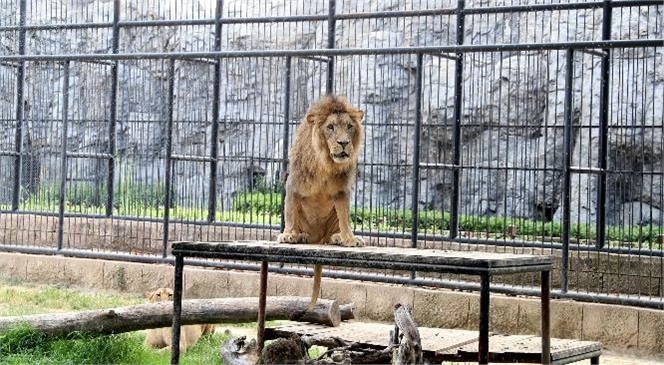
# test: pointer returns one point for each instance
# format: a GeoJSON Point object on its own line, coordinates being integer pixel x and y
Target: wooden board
{"type": "Point", "coordinates": [441, 344]}
{"type": "Point", "coordinates": [380, 257]}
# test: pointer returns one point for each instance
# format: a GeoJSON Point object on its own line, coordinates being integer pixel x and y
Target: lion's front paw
{"type": "Point", "coordinates": [287, 238]}
{"type": "Point", "coordinates": [352, 241]}
{"type": "Point", "coordinates": [290, 237]}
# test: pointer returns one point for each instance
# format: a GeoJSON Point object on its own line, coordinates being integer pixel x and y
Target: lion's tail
{"type": "Point", "coordinates": [318, 273]}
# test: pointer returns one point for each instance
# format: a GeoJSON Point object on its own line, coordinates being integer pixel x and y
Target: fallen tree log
{"type": "Point", "coordinates": [194, 311]}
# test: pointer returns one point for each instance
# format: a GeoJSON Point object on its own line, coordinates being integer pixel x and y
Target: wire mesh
{"type": "Point", "coordinates": [514, 152]}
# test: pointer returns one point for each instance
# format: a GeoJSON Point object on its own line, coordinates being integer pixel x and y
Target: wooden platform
{"type": "Point", "coordinates": [395, 258]}
{"type": "Point", "coordinates": [452, 345]}
{"type": "Point", "coordinates": [483, 264]}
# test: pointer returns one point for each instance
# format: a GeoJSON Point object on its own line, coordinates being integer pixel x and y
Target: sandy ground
{"type": "Point", "coordinates": [608, 358]}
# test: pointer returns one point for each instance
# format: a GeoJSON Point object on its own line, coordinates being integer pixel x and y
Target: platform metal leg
{"type": "Point", "coordinates": [546, 317]}
{"type": "Point", "coordinates": [262, 301]}
{"type": "Point", "coordinates": [483, 351]}
{"type": "Point", "coordinates": [177, 309]}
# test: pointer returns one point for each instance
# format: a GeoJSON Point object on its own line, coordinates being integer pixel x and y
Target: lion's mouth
{"type": "Point", "coordinates": [341, 155]}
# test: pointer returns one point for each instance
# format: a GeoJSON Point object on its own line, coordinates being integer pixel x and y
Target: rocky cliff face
{"type": "Point", "coordinates": [512, 104]}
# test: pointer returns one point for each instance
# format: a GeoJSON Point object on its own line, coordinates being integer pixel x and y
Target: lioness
{"type": "Point", "coordinates": [323, 164]}
{"type": "Point", "coordinates": [161, 337]}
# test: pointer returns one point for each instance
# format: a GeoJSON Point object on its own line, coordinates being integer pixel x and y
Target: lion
{"type": "Point", "coordinates": [323, 165]}
{"type": "Point", "coordinates": [161, 337]}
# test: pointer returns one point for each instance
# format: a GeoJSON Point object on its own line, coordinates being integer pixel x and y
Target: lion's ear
{"type": "Point", "coordinates": [147, 294]}
{"type": "Point", "coordinates": [311, 118]}
{"type": "Point", "coordinates": [357, 115]}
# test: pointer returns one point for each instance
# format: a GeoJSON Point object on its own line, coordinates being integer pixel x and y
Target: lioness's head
{"type": "Point", "coordinates": [159, 295]}
{"type": "Point", "coordinates": [337, 132]}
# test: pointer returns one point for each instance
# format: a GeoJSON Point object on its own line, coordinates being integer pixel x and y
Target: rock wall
{"type": "Point", "coordinates": [512, 104]}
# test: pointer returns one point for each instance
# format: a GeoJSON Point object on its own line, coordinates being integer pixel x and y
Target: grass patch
{"type": "Point", "coordinates": [22, 346]}
{"type": "Point", "coordinates": [263, 206]}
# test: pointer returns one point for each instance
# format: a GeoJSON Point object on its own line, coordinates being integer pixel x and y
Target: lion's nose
{"type": "Point", "coordinates": [343, 143]}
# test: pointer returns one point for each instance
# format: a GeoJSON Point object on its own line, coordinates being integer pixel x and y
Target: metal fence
{"type": "Point", "coordinates": [523, 126]}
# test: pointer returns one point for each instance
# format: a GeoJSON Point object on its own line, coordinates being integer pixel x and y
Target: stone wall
{"type": "Point", "coordinates": [512, 105]}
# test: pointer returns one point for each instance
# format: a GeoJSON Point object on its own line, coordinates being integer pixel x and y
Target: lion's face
{"type": "Point", "coordinates": [160, 295]}
{"type": "Point", "coordinates": [340, 131]}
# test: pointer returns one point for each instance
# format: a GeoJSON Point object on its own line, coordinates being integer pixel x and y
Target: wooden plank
{"type": "Point", "coordinates": [402, 255]}
{"type": "Point", "coordinates": [529, 348]}
{"type": "Point", "coordinates": [452, 344]}
{"type": "Point", "coordinates": [434, 340]}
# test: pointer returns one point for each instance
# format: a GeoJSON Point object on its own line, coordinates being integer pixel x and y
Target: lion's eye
{"type": "Point", "coordinates": [350, 127]}
{"type": "Point", "coordinates": [330, 127]}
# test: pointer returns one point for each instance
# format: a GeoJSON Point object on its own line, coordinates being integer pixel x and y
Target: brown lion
{"type": "Point", "coordinates": [161, 337]}
{"type": "Point", "coordinates": [323, 164]}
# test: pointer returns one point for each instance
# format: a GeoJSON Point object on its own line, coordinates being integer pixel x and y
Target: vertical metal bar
{"type": "Point", "coordinates": [169, 152]}
{"type": "Point", "coordinates": [115, 46]}
{"type": "Point", "coordinates": [483, 350]}
{"type": "Point", "coordinates": [177, 309]}
{"type": "Point", "coordinates": [415, 197]}
{"type": "Point", "coordinates": [63, 155]}
{"type": "Point", "coordinates": [416, 152]}
{"type": "Point", "coordinates": [262, 301]}
{"type": "Point", "coordinates": [214, 132]}
{"type": "Point", "coordinates": [20, 81]}
{"type": "Point", "coordinates": [284, 151]}
{"type": "Point", "coordinates": [605, 74]}
{"type": "Point", "coordinates": [546, 317]}
{"type": "Point", "coordinates": [331, 36]}
{"type": "Point", "coordinates": [567, 174]}
{"type": "Point", "coordinates": [458, 91]}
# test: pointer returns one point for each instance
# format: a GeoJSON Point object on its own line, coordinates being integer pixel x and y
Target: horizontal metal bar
{"type": "Point", "coordinates": [312, 58]}
{"type": "Point", "coordinates": [395, 14]}
{"type": "Point", "coordinates": [10, 64]}
{"type": "Point", "coordinates": [192, 158]}
{"type": "Point", "coordinates": [250, 158]}
{"type": "Point", "coordinates": [587, 170]}
{"type": "Point", "coordinates": [101, 156]}
{"type": "Point", "coordinates": [470, 48]}
{"type": "Point", "coordinates": [557, 7]}
{"type": "Point", "coordinates": [347, 16]}
{"type": "Point", "coordinates": [9, 153]}
{"type": "Point", "coordinates": [593, 52]}
{"type": "Point", "coordinates": [449, 56]}
{"type": "Point", "coordinates": [67, 26]}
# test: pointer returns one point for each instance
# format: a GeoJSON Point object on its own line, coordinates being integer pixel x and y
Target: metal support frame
{"type": "Point", "coordinates": [605, 70]}
{"type": "Point", "coordinates": [417, 134]}
{"type": "Point", "coordinates": [214, 132]}
{"type": "Point", "coordinates": [63, 156]}
{"type": "Point", "coordinates": [169, 152]}
{"type": "Point", "coordinates": [284, 151]}
{"type": "Point", "coordinates": [20, 83]}
{"type": "Point", "coordinates": [331, 40]}
{"type": "Point", "coordinates": [458, 95]}
{"type": "Point", "coordinates": [567, 162]}
{"type": "Point", "coordinates": [115, 46]}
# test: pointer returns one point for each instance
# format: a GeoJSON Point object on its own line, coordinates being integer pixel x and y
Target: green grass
{"type": "Point", "coordinates": [264, 207]}
{"type": "Point", "coordinates": [21, 346]}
